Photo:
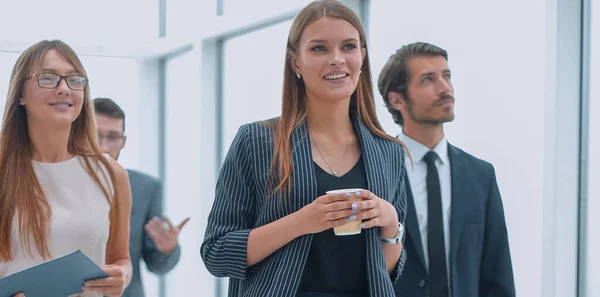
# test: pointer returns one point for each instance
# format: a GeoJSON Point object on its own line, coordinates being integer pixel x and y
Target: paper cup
{"type": "Point", "coordinates": [352, 227]}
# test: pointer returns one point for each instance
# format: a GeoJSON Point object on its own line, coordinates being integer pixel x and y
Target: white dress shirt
{"type": "Point", "coordinates": [417, 176]}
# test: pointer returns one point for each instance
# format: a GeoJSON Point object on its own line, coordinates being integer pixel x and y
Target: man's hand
{"type": "Point", "coordinates": [164, 239]}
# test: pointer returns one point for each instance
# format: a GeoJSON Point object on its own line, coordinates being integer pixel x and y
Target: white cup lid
{"type": "Point", "coordinates": [341, 191]}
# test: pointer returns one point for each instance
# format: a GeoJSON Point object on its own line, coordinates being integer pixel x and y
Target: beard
{"type": "Point", "coordinates": [426, 119]}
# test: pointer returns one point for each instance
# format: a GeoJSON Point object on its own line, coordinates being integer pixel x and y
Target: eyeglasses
{"type": "Point", "coordinates": [112, 141]}
{"type": "Point", "coordinates": [51, 81]}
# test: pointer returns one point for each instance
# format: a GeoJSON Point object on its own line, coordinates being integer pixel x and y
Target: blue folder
{"type": "Point", "coordinates": [60, 277]}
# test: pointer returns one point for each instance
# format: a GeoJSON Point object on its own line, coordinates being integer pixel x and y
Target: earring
{"type": "Point", "coordinates": [359, 71]}
{"type": "Point", "coordinates": [298, 75]}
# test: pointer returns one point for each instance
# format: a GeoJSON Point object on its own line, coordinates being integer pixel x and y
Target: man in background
{"type": "Point", "coordinates": [456, 233]}
{"type": "Point", "coordinates": [150, 239]}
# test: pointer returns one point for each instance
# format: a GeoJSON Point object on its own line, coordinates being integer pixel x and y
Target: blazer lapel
{"type": "Point", "coordinates": [376, 180]}
{"type": "Point", "coordinates": [371, 158]}
{"type": "Point", "coordinates": [304, 187]}
{"type": "Point", "coordinates": [459, 198]}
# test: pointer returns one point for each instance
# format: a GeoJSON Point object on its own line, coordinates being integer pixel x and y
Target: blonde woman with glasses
{"type": "Point", "coordinates": [58, 192]}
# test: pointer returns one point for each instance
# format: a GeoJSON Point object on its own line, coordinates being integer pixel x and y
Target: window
{"type": "Point", "coordinates": [252, 78]}
{"type": "Point", "coordinates": [189, 172]}
{"type": "Point", "coordinates": [117, 78]}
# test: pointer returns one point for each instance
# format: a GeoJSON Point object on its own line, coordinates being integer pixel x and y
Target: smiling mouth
{"type": "Point", "coordinates": [335, 76]}
{"type": "Point", "coordinates": [61, 104]}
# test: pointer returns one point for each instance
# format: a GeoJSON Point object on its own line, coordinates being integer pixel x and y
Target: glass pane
{"type": "Point", "coordinates": [122, 87]}
{"type": "Point", "coordinates": [188, 175]}
{"type": "Point", "coordinates": [89, 22]}
{"type": "Point", "coordinates": [252, 78]}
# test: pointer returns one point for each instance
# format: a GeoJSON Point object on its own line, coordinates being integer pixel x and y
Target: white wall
{"type": "Point", "coordinates": [498, 54]}
{"type": "Point", "coordinates": [593, 212]}
{"type": "Point", "coordinates": [265, 7]}
{"type": "Point", "coordinates": [88, 22]}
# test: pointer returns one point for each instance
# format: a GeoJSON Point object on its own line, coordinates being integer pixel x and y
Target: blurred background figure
{"type": "Point", "coordinates": [153, 238]}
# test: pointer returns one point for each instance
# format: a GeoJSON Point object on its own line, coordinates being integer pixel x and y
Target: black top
{"type": "Point", "coordinates": [332, 266]}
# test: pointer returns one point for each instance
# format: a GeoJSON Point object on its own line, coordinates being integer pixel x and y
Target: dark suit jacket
{"type": "Point", "coordinates": [240, 205]}
{"type": "Point", "coordinates": [146, 203]}
{"type": "Point", "coordinates": [480, 262]}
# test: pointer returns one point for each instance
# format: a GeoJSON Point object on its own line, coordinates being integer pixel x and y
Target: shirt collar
{"type": "Point", "coordinates": [417, 150]}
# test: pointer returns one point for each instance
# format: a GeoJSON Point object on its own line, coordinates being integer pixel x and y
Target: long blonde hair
{"type": "Point", "coordinates": [21, 194]}
{"type": "Point", "coordinates": [293, 110]}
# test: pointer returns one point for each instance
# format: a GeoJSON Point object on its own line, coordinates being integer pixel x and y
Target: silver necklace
{"type": "Point", "coordinates": [334, 172]}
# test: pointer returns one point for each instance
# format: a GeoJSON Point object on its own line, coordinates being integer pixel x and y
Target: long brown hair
{"type": "Point", "coordinates": [293, 110]}
{"type": "Point", "coordinates": [21, 195]}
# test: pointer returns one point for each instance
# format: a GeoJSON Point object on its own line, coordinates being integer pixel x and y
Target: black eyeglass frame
{"type": "Point", "coordinates": [60, 78]}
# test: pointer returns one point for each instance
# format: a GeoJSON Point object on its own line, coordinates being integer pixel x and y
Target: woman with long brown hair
{"type": "Point", "coordinates": [270, 228]}
{"type": "Point", "coordinates": [58, 192]}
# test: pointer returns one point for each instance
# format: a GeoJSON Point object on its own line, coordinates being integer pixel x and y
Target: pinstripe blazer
{"type": "Point", "coordinates": [240, 206]}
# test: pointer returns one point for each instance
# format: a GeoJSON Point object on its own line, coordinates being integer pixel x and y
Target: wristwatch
{"type": "Point", "coordinates": [396, 239]}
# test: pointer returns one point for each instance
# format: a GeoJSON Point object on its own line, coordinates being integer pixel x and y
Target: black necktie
{"type": "Point", "coordinates": [438, 279]}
